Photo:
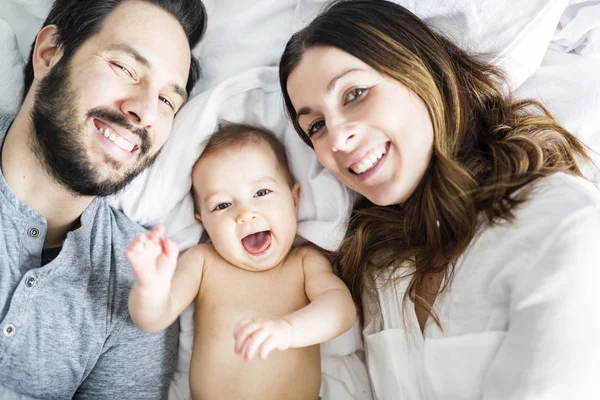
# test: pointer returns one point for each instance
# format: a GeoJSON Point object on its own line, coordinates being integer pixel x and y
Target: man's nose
{"type": "Point", "coordinates": [141, 107]}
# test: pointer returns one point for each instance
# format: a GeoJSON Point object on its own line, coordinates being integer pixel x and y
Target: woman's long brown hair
{"type": "Point", "coordinates": [486, 144]}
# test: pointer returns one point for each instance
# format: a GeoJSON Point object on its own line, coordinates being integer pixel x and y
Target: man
{"type": "Point", "coordinates": [102, 86]}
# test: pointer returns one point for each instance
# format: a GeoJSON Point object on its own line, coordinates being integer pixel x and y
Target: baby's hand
{"type": "Point", "coordinates": [261, 335]}
{"type": "Point", "coordinates": [153, 258]}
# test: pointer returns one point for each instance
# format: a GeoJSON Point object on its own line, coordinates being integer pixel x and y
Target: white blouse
{"type": "Point", "coordinates": [520, 319]}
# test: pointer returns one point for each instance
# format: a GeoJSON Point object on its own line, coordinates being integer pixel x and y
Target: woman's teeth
{"type": "Point", "coordinates": [118, 140]}
{"type": "Point", "coordinates": [368, 161]}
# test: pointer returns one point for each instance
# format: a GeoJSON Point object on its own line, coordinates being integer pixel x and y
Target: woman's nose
{"type": "Point", "coordinates": [342, 136]}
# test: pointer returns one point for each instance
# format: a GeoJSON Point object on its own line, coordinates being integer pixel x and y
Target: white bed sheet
{"type": "Point", "coordinates": [239, 55]}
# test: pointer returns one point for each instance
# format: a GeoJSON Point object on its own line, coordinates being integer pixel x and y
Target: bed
{"type": "Point", "coordinates": [549, 48]}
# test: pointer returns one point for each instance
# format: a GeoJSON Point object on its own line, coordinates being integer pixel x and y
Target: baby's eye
{"type": "Point", "coordinates": [315, 127]}
{"type": "Point", "coordinates": [354, 94]}
{"type": "Point", "coordinates": [221, 206]}
{"type": "Point", "coordinates": [262, 192]}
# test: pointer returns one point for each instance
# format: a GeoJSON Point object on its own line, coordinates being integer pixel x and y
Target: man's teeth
{"type": "Point", "coordinates": [118, 140]}
{"type": "Point", "coordinates": [368, 161]}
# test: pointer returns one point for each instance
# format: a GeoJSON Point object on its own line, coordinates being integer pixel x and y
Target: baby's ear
{"type": "Point", "coordinates": [198, 217]}
{"type": "Point", "coordinates": [296, 195]}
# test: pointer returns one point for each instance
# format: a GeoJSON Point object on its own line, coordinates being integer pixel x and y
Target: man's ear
{"type": "Point", "coordinates": [296, 196]}
{"type": "Point", "coordinates": [46, 52]}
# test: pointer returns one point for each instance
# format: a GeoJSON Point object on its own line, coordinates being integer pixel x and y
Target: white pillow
{"type": "Point", "coordinates": [162, 193]}
{"type": "Point", "coordinates": [242, 35]}
{"type": "Point", "coordinates": [513, 34]}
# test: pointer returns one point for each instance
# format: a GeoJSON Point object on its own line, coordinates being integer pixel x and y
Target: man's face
{"type": "Point", "coordinates": [102, 116]}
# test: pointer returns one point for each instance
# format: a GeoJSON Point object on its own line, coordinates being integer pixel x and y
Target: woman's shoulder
{"type": "Point", "coordinates": [557, 206]}
{"type": "Point", "coordinates": [554, 233]}
{"type": "Point", "coordinates": [558, 197]}
{"type": "Point", "coordinates": [575, 191]}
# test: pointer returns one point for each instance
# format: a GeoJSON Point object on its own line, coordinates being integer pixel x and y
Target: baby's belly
{"type": "Point", "coordinates": [218, 373]}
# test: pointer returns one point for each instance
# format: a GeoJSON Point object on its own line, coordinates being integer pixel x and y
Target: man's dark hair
{"type": "Point", "coordinates": [77, 20]}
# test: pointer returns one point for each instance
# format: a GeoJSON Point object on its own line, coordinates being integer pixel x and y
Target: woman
{"type": "Point", "coordinates": [472, 257]}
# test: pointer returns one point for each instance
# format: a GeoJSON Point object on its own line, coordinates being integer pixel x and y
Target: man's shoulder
{"type": "Point", "coordinates": [5, 120]}
{"type": "Point", "coordinates": [120, 226]}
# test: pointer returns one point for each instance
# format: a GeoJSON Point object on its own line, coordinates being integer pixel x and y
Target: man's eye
{"type": "Point", "coordinates": [354, 94]}
{"type": "Point", "coordinates": [315, 127]}
{"type": "Point", "coordinates": [221, 206]}
{"type": "Point", "coordinates": [262, 192]}
{"type": "Point", "coordinates": [123, 69]}
{"type": "Point", "coordinates": [167, 102]}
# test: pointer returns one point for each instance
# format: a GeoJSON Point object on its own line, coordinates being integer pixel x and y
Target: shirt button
{"type": "Point", "coordinates": [30, 282]}
{"type": "Point", "coordinates": [33, 232]}
{"type": "Point", "coordinates": [9, 330]}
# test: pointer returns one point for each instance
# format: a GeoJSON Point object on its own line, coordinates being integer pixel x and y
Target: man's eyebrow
{"type": "Point", "coordinates": [330, 86]}
{"type": "Point", "coordinates": [144, 61]}
{"type": "Point", "coordinates": [125, 48]}
{"type": "Point", "coordinates": [179, 90]}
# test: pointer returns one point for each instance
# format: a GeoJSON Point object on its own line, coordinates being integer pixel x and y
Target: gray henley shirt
{"type": "Point", "coordinates": [65, 329]}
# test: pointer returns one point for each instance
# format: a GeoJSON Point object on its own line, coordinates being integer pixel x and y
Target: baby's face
{"type": "Point", "coordinates": [246, 205]}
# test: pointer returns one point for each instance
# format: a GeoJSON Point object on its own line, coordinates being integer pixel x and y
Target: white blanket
{"type": "Point", "coordinates": [239, 55]}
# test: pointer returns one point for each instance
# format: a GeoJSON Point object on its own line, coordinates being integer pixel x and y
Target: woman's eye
{"type": "Point", "coordinates": [354, 94]}
{"type": "Point", "coordinates": [221, 206]}
{"type": "Point", "coordinates": [315, 127]}
{"type": "Point", "coordinates": [262, 192]}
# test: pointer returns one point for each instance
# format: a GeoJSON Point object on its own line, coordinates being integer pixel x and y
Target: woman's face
{"type": "Point", "coordinates": [374, 134]}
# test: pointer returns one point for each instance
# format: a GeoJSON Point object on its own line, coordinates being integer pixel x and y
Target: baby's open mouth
{"type": "Point", "coordinates": [257, 243]}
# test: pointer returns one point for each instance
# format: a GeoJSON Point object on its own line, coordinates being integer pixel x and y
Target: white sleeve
{"type": "Point", "coordinates": [552, 346]}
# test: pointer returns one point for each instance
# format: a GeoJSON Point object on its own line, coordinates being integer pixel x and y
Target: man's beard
{"type": "Point", "coordinates": [59, 140]}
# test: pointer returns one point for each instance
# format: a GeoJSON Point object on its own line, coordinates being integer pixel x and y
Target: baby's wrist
{"type": "Point", "coordinates": [151, 291]}
{"type": "Point", "coordinates": [289, 325]}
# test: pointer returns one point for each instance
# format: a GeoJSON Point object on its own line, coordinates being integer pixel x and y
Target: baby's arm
{"type": "Point", "coordinates": [163, 286]}
{"type": "Point", "coordinates": [330, 313]}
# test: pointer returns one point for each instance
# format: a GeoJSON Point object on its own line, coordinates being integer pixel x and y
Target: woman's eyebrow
{"type": "Point", "coordinates": [330, 87]}
{"type": "Point", "coordinates": [333, 82]}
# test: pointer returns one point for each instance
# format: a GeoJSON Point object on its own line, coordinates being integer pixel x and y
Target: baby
{"type": "Point", "coordinates": [249, 284]}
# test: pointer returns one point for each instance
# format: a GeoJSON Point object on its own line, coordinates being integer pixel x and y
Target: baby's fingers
{"type": "Point", "coordinates": [244, 332]}
{"type": "Point", "coordinates": [267, 347]}
{"type": "Point", "coordinates": [156, 234]}
{"type": "Point", "coordinates": [137, 244]}
{"type": "Point", "coordinates": [254, 342]}
{"type": "Point", "coordinates": [169, 248]}
{"type": "Point", "coordinates": [240, 326]}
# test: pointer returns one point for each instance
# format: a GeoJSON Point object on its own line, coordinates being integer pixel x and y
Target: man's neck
{"type": "Point", "coordinates": [30, 182]}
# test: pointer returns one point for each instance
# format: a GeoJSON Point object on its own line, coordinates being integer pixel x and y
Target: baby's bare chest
{"type": "Point", "coordinates": [230, 294]}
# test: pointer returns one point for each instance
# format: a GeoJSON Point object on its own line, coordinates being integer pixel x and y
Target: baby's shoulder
{"type": "Point", "coordinates": [306, 250]}
{"type": "Point", "coordinates": [204, 253]}
{"type": "Point", "coordinates": [308, 255]}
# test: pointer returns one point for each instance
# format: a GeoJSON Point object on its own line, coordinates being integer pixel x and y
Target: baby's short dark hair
{"type": "Point", "coordinates": [229, 135]}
